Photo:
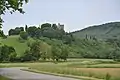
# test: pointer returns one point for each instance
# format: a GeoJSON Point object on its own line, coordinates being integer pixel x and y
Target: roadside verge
{"type": "Point", "coordinates": [62, 75]}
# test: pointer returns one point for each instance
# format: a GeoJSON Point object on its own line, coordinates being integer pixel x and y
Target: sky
{"type": "Point", "coordinates": [74, 14]}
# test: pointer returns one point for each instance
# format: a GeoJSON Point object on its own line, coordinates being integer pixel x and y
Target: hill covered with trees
{"type": "Point", "coordinates": [104, 31]}
{"type": "Point", "coordinates": [51, 42]}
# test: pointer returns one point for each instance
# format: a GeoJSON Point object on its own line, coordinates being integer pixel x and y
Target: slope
{"type": "Point", "coordinates": [104, 31]}
{"type": "Point", "coordinates": [14, 42]}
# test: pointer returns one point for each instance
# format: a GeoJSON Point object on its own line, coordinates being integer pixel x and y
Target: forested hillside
{"type": "Point", "coordinates": [104, 31]}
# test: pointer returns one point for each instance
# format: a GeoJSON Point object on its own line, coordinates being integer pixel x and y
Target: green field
{"type": "Point", "coordinates": [14, 42]}
{"type": "Point", "coordinates": [79, 68]}
{"type": "Point", "coordinates": [3, 78]}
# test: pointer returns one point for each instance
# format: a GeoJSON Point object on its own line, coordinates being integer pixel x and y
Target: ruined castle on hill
{"type": "Point", "coordinates": [60, 26]}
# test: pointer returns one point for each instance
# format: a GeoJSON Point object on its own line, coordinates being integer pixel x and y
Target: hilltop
{"type": "Point", "coordinates": [104, 31]}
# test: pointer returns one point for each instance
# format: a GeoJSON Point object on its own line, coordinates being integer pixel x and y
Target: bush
{"type": "Point", "coordinates": [7, 53]}
{"type": "Point", "coordinates": [27, 56]}
{"type": "Point", "coordinates": [24, 35]}
{"type": "Point", "coordinates": [12, 57]}
{"type": "Point", "coordinates": [108, 76]}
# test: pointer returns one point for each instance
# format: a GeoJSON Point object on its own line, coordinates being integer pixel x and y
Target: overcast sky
{"type": "Point", "coordinates": [75, 14]}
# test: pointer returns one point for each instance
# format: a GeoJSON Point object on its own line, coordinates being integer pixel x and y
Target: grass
{"type": "Point", "coordinates": [14, 42]}
{"type": "Point", "coordinates": [3, 78]}
{"type": "Point", "coordinates": [21, 45]}
{"type": "Point", "coordinates": [87, 68]}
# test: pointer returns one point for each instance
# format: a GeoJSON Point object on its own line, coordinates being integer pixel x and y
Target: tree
{"type": "Point", "coordinates": [24, 35]}
{"type": "Point", "coordinates": [64, 52]}
{"type": "Point", "coordinates": [54, 26]}
{"type": "Point", "coordinates": [56, 51]}
{"type": "Point", "coordinates": [27, 56]}
{"type": "Point", "coordinates": [12, 6]}
{"type": "Point", "coordinates": [2, 34]}
{"type": "Point", "coordinates": [67, 39]}
{"type": "Point", "coordinates": [44, 55]}
{"type": "Point", "coordinates": [45, 25]}
{"type": "Point", "coordinates": [35, 50]}
{"type": "Point", "coordinates": [12, 56]}
{"type": "Point", "coordinates": [7, 53]}
{"type": "Point", "coordinates": [15, 31]}
{"type": "Point", "coordinates": [33, 53]}
{"type": "Point", "coordinates": [11, 32]}
{"type": "Point", "coordinates": [49, 32]}
{"type": "Point", "coordinates": [116, 54]}
{"type": "Point", "coordinates": [32, 31]}
{"type": "Point", "coordinates": [38, 33]}
{"type": "Point", "coordinates": [22, 28]}
{"type": "Point", "coordinates": [26, 27]}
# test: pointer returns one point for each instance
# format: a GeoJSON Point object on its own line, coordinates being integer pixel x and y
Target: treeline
{"type": "Point", "coordinates": [41, 50]}
{"type": "Point", "coordinates": [51, 31]}
{"type": "Point", "coordinates": [15, 31]}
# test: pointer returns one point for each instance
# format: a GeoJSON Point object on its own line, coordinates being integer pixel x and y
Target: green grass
{"type": "Point", "coordinates": [21, 46]}
{"type": "Point", "coordinates": [14, 42]}
{"type": "Point", "coordinates": [3, 78]}
{"type": "Point", "coordinates": [95, 68]}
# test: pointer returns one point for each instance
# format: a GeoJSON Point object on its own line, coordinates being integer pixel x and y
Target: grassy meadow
{"type": "Point", "coordinates": [14, 42]}
{"type": "Point", "coordinates": [79, 68]}
{"type": "Point", "coordinates": [3, 78]}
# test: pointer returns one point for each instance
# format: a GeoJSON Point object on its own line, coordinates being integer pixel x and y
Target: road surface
{"type": "Point", "coordinates": [17, 74]}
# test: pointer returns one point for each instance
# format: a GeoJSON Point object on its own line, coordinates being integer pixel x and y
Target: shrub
{"type": "Point", "coordinates": [108, 76]}
{"type": "Point", "coordinates": [24, 35]}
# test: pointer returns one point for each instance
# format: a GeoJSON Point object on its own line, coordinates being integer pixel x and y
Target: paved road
{"type": "Point", "coordinates": [17, 74]}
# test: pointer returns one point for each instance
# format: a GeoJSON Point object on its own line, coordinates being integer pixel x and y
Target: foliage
{"type": "Point", "coordinates": [45, 25]}
{"type": "Point", "coordinates": [55, 53]}
{"type": "Point", "coordinates": [116, 54]}
{"type": "Point", "coordinates": [50, 42]}
{"type": "Point", "coordinates": [54, 26]}
{"type": "Point", "coordinates": [35, 50]}
{"type": "Point", "coordinates": [31, 31]}
{"type": "Point", "coordinates": [108, 76]}
{"type": "Point", "coordinates": [27, 56]}
{"type": "Point", "coordinates": [26, 27]}
{"type": "Point", "coordinates": [59, 51]}
{"type": "Point", "coordinates": [7, 53]}
{"type": "Point", "coordinates": [64, 52]}
{"type": "Point", "coordinates": [15, 31]}
{"type": "Point", "coordinates": [45, 30]}
{"type": "Point", "coordinates": [105, 31]}
{"type": "Point", "coordinates": [2, 34]}
{"type": "Point", "coordinates": [24, 35]}
{"type": "Point", "coordinates": [12, 6]}
{"type": "Point", "coordinates": [79, 48]}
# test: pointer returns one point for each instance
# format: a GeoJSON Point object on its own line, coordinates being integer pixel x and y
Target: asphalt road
{"type": "Point", "coordinates": [17, 74]}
